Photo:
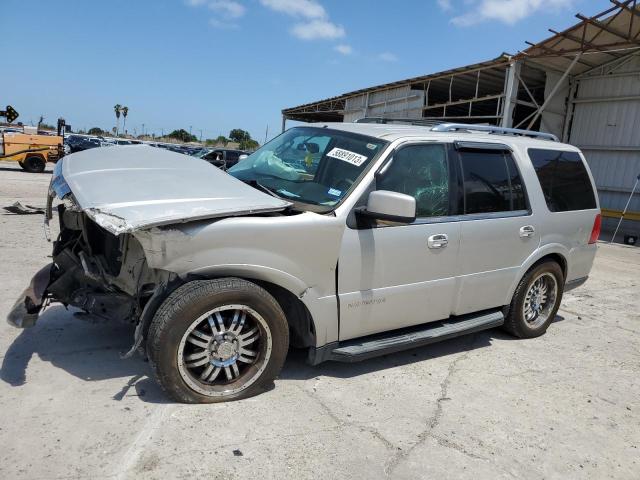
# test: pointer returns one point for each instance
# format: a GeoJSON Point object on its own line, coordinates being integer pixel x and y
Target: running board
{"type": "Point", "coordinates": [398, 340]}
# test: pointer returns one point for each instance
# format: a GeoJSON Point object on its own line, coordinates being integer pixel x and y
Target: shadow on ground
{"type": "Point", "coordinates": [90, 349]}
{"type": "Point", "coordinates": [9, 169]}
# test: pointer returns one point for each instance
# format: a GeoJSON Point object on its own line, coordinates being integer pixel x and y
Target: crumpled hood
{"type": "Point", "coordinates": [129, 188]}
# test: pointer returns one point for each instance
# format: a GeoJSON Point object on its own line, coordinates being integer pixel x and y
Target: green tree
{"type": "Point", "coordinates": [125, 112]}
{"type": "Point", "coordinates": [117, 108]}
{"type": "Point", "coordinates": [183, 136]}
{"type": "Point", "coordinates": [238, 135]}
{"type": "Point", "coordinates": [249, 144]}
{"type": "Point", "coordinates": [97, 131]}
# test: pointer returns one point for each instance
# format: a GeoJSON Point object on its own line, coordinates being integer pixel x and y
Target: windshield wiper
{"type": "Point", "coordinates": [259, 186]}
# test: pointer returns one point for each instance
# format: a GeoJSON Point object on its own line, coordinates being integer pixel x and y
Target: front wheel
{"type": "Point", "coordinates": [217, 340]}
{"type": "Point", "coordinates": [535, 301]}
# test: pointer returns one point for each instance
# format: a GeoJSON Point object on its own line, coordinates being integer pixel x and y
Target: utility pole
{"type": "Point", "coordinates": [200, 135]}
{"type": "Point", "coordinates": [266, 134]}
{"type": "Point", "coordinates": [143, 129]}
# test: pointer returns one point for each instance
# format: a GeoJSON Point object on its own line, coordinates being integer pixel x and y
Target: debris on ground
{"type": "Point", "coordinates": [20, 209]}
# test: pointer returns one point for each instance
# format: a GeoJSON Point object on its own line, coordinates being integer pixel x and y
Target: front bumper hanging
{"type": "Point", "coordinates": [28, 306]}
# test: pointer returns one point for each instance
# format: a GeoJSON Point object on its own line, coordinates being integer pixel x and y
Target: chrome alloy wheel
{"type": "Point", "coordinates": [225, 350]}
{"type": "Point", "coordinates": [540, 300]}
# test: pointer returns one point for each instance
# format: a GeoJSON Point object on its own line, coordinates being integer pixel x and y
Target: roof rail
{"type": "Point", "coordinates": [424, 122]}
{"type": "Point", "coordinates": [452, 127]}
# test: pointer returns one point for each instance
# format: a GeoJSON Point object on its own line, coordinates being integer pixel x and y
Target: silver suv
{"type": "Point", "coordinates": [348, 240]}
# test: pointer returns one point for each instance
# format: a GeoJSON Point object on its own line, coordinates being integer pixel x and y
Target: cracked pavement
{"type": "Point", "coordinates": [485, 406]}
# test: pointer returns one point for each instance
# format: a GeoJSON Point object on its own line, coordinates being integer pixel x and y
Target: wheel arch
{"type": "Point", "coordinates": [556, 253]}
{"type": "Point", "coordinates": [302, 326]}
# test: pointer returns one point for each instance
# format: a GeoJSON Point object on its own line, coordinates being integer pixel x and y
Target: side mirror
{"type": "Point", "coordinates": [390, 206]}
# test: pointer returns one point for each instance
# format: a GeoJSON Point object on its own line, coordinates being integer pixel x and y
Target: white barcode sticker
{"type": "Point", "coordinates": [347, 156]}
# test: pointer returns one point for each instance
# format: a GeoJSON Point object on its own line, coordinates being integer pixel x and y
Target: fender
{"type": "Point", "coordinates": [322, 306]}
{"type": "Point", "coordinates": [256, 272]}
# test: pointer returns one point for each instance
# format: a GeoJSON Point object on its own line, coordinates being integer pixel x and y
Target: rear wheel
{"type": "Point", "coordinates": [217, 340]}
{"type": "Point", "coordinates": [535, 301]}
{"type": "Point", "coordinates": [33, 164]}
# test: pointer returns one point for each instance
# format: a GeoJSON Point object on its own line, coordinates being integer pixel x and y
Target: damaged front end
{"type": "Point", "coordinates": [93, 269]}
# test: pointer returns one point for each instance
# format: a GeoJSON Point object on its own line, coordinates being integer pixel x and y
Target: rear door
{"type": "Point", "coordinates": [498, 230]}
{"type": "Point", "coordinates": [392, 275]}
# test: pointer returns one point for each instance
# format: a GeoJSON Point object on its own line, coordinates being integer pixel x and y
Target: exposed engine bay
{"type": "Point", "coordinates": [98, 272]}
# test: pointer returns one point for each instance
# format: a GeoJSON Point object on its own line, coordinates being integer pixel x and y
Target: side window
{"type": "Point", "coordinates": [421, 171]}
{"type": "Point", "coordinates": [491, 182]}
{"type": "Point", "coordinates": [564, 180]}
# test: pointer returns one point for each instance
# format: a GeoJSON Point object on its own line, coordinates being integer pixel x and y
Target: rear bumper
{"type": "Point", "coordinates": [27, 308]}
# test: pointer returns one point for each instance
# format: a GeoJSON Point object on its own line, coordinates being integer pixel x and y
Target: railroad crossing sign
{"type": "Point", "coordinates": [10, 114]}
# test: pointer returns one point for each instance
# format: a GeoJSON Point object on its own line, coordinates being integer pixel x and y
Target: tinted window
{"type": "Point", "coordinates": [233, 156]}
{"type": "Point", "coordinates": [421, 171]}
{"type": "Point", "coordinates": [564, 180]}
{"type": "Point", "coordinates": [491, 182]}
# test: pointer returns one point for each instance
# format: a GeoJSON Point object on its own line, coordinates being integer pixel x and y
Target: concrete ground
{"type": "Point", "coordinates": [485, 406]}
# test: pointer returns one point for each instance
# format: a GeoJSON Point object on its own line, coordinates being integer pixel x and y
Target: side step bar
{"type": "Point", "coordinates": [390, 342]}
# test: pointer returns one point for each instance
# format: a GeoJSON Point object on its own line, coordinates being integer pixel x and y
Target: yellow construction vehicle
{"type": "Point", "coordinates": [31, 150]}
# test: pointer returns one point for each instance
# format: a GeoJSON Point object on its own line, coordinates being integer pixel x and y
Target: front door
{"type": "Point", "coordinates": [393, 276]}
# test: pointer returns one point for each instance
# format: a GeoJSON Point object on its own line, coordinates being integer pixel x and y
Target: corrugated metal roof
{"type": "Point", "coordinates": [601, 38]}
{"type": "Point", "coordinates": [501, 61]}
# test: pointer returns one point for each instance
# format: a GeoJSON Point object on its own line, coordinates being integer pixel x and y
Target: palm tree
{"type": "Point", "coordinates": [117, 109]}
{"type": "Point", "coordinates": [125, 112]}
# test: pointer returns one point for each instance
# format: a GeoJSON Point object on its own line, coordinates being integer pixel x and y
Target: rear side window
{"type": "Point", "coordinates": [564, 180]}
{"type": "Point", "coordinates": [492, 182]}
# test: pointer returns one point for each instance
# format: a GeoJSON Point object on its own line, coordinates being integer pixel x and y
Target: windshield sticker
{"type": "Point", "coordinates": [371, 146]}
{"type": "Point", "coordinates": [347, 156]}
{"type": "Point", "coordinates": [334, 192]}
{"type": "Point", "coordinates": [286, 193]}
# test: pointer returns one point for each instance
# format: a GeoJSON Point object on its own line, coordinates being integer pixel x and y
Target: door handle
{"type": "Point", "coordinates": [439, 240]}
{"type": "Point", "coordinates": [527, 231]}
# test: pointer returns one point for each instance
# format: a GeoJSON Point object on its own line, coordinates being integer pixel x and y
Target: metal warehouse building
{"type": "Point", "coordinates": [581, 84]}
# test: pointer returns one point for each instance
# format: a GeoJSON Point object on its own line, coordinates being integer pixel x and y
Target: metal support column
{"type": "Point", "coordinates": [554, 90]}
{"type": "Point", "coordinates": [510, 94]}
{"type": "Point", "coordinates": [284, 123]}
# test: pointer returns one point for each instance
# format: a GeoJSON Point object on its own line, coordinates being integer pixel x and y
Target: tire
{"type": "Point", "coordinates": [33, 164]}
{"type": "Point", "coordinates": [524, 323]}
{"type": "Point", "coordinates": [251, 345]}
{"type": "Point", "coordinates": [22, 166]}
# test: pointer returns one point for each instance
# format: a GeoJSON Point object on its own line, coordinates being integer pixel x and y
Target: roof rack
{"type": "Point", "coordinates": [441, 126]}
{"type": "Point", "coordinates": [453, 127]}
{"type": "Point", "coordinates": [423, 122]}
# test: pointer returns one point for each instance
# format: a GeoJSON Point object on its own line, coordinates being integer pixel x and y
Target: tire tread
{"type": "Point", "coordinates": [182, 297]}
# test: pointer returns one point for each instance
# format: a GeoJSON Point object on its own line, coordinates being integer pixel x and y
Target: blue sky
{"type": "Point", "coordinates": [215, 65]}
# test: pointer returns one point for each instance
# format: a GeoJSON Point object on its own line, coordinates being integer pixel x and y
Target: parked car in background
{"type": "Point", "coordinates": [366, 240]}
{"type": "Point", "coordinates": [78, 143]}
{"type": "Point", "coordinates": [224, 158]}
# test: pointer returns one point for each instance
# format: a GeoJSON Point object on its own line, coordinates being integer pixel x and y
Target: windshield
{"type": "Point", "coordinates": [310, 165]}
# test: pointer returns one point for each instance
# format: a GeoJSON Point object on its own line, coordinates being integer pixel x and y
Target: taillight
{"type": "Point", "coordinates": [595, 231]}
